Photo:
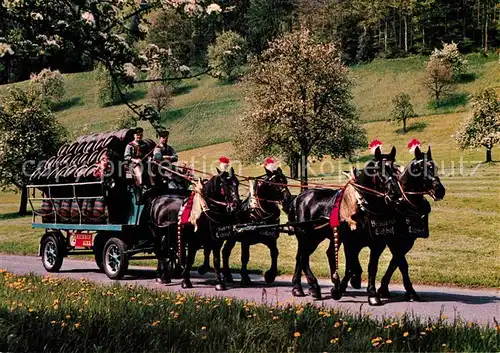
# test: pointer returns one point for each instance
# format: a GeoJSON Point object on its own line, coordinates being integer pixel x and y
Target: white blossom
{"type": "Point", "coordinates": [213, 8]}
{"type": "Point", "coordinates": [184, 68]}
{"type": "Point", "coordinates": [5, 49]}
{"type": "Point", "coordinates": [36, 16]}
{"type": "Point", "coordinates": [12, 4]}
{"type": "Point", "coordinates": [88, 17]}
{"type": "Point", "coordinates": [130, 70]}
{"type": "Point", "coordinates": [143, 28]}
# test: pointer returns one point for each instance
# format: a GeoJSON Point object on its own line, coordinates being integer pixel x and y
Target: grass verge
{"type": "Point", "coordinates": [49, 314]}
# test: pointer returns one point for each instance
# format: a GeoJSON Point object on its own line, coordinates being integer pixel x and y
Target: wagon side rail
{"type": "Point", "coordinates": [47, 196]}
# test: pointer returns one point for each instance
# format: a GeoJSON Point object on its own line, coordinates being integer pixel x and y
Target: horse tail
{"type": "Point", "coordinates": [179, 232]}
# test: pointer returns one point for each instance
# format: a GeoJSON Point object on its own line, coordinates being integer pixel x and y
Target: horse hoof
{"type": "Point", "coordinates": [412, 297]}
{"type": "Point", "coordinates": [202, 270]}
{"type": "Point", "coordinates": [356, 282]}
{"type": "Point", "coordinates": [298, 292]}
{"type": "Point", "coordinates": [220, 287]}
{"type": "Point", "coordinates": [246, 281]}
{"type": "Point", "coordinates": [269, 277]}
{"type": "Point", "coordinates": [186, 284]}
{"type": "Point", "coordinates": [384, 293]}
{"type": "Point", "coordinates": [374, 301]}
{"type": "Point", "coordinates": [315, 293]}
{"type": "Point", "coordinates": [336, 294]}
{"type": "Point", "coordinates": [160, 280]}
{"type": "Point", "coordinates": [228, 278]}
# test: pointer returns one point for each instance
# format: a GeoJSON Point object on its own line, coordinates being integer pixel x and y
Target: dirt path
{"type": "Point", "coordinates": [480, 306]}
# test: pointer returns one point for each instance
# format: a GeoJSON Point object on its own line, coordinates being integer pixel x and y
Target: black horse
{"type": "Point", "coordinates": [395, 225]}
{"type": "Point", "coordinates": [216, 201]}
{"type": "Point", "coordinates": [266, 193]}
{"type": "Point", "coordinates": [419, 178]}
{"type": "Point", "coordinates": [375, 185]}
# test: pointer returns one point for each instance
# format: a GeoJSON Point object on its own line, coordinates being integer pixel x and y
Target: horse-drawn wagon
{"type": "Point", "coordinates": [83, 212]}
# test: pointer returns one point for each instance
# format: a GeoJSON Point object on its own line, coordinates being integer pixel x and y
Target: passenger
{"type": "Point", "coordinates": [135, 152]}
{"type": "Point", "coordinates": [162, 153]}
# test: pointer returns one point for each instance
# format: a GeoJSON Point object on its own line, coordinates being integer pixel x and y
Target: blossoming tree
{"type": "Point", "coordinates": [98, 29]}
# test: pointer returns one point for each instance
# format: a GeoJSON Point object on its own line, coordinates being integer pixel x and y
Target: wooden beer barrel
{"type": "Point", "coordinates": [62, 150]}
{"type": "Point", "coordinates": [98, 211]}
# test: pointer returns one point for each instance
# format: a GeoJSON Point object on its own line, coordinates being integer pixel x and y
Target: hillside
{"type": "Point", "coordinates": [205, 112]}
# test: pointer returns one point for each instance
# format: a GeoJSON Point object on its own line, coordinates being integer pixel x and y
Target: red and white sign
{"type": "Point", "coordinates": [83, 240]}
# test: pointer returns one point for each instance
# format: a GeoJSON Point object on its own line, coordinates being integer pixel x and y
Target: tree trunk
{"type": "Point", "coordinates": [488, 155]}
{"type": "Point", "coordinates": [24, 201]}
{"type": "Point", "coordinates": [486, 34]}
{"type": "Point", "coordinates": [294, 167]}
{"type": "Point", "coordinates": [406, 33]}
{"type": "Point", "coordinates": [404, 125]}
{"type": "Point", "coordinates": [385, 36]}
{"type": "Point", "coordinates": [303, 170]}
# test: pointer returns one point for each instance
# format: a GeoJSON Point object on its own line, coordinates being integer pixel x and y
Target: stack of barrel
{"type": "Point", "coordinates": [76, 164]}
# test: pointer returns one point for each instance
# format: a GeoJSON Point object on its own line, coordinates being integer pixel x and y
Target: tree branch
{"type": "Point", "coordinates": [172, 78]}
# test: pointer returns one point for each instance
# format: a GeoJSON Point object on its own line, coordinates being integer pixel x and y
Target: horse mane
{"type": "Point", "coordinates": [350, 203]}
{"type": "Point", "coordinates": [199, 205]}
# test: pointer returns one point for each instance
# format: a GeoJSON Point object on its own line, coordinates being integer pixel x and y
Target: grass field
{"type": "Point", "coordinates": [463, 247]}
{"type": "Point", "coordinates": [49, 314]}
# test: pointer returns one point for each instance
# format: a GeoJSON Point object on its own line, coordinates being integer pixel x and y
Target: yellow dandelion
{"type": "Point", "coordinates": [406, 334]}
{"type": "Point", "coordinates": [388, 341]}
{"type": "Point", "coordinates": [444, 317]}
{"type": "Point", "coordinates": [337, 324]}
{"type": "Point", "coordinates": [334, 340]}
{"type": "Point", "coordinates": [30, 310]}
{"type": "Point", "coordinates": [63, 324]}
{"type": "Point", "coordinates": [203, 328]}
{"type": "Point", "coordinates": [53, 322]}
{"type": "Point", "coordinates": [376, 339]}
{"type": "Point", "coordinates": [77, 325]}
{"type": "Point", "coordinates": [297, 334]}
{"type": "Point", "coordinates": [68, 316]}
{"type": "Point", "coordinates": [155, 323]}
{"type": "Point", "coordinates": [349, 329]}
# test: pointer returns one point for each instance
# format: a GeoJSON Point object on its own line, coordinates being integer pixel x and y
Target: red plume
{"type": "Point", "coordinates": [270, 164]}
{"type": "Point", "coordinates": [374, 144]}
{"type": "Point", "coordinates": [413, 144]}
{"type": "Point", "coordinates": [224, 160]}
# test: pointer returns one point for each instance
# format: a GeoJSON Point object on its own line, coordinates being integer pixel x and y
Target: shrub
{"type": "Point", "coordinates": [227, 55]}
{"type": "Point", "coordinates": [49, 84]}
{"type": "Point", "coordinates": [402, 109]}
{"type": "Point", "coordinates": [451, 56]}
{"type": "Point", "coordinates": [108, 94]}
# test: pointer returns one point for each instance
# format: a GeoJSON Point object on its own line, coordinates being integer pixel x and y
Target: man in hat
{"type": "Point", "coordinates": [164, 154]}
{"type": "Point", "coordinates": [135, 152]}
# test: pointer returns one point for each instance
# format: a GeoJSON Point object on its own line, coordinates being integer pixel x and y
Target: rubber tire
{"type": "Point", "coordinates": [98, 248]}
{"type": "Point", "coordinates": [123, 258]}
{"type": "Point", "coordinates": [52, 239]}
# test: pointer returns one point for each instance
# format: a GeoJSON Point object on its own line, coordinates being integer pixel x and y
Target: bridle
{"type": "Point", "coordinates": [259, 209]}
{"type": "Point", "coordinates": [404, 194]}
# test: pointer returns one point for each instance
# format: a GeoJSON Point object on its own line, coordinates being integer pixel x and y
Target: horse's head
{"type": "Point", "coordinates": [421, 176]}
{"type": "Point", "coordinates": [223, 188]}
{"type": "Point", "coordinates": [380, 174]}
{"type": "Point", "coordinates": [273, 186]}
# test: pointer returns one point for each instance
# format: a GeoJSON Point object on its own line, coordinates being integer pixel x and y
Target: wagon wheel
{"type": "Point", "coordinates": [98, 248]}
{"type": "Point", "coordinates": [52, 254]}
{"type": "Point", "coordinates": [115, 258]}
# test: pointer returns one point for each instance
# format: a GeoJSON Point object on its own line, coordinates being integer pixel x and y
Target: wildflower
{"type": "Point", "coordinates": [53, 322]}
{"type": "Point", "coordinates": [68, 316]}
{"type": "Point", "coordinates": [443, 345]}
{"type": "Point", "coordinates": [337, 324]}
{"type": "Point", "coordinates": [203, 328]}
{"type": "Point", "coordinates": [36, 16]}
{"type": "Point", "coordinates": [297, 334]}
{"type": "Point", "coordinates": [155, 323]}
{"type": "Point", "coordinates": [389, 341]}
{"type": "Point", "coordinates": [276, 318]}
{"type": "Point", "coordinates": [423, 333]}
{"type": "Point", "coordinates": [349, 329]}
{"type": "Point", "coordinates": [77, 325]}
{"type": "Point", "coordinates": [405, 334]}
{"type": "Point", "coordinates": [334, 340]}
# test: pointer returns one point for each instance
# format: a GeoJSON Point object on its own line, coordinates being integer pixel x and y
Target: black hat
{"type": "Point", "coordinates": [164, 133]}
{"type": "Point", "coordinates": [138, 130]}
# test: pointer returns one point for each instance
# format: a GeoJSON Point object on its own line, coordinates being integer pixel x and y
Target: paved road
{"type": "Point", "coordinates": [480, 306]}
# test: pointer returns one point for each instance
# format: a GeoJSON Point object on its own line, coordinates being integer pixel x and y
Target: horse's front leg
{"type": "Point", "coordinates": [203, 269]}
{"type": "Point", "coordinates": [271, 274]}
{"type": "Point", "coordinates": [245, 258]}
{"type": "Point", "coordinates": [226, 254]}
{"type": "Point", "coordinates": [315, 289]}
{"type": "Point", "coordinates": [297, 290]}
{"type": "Point", "coordinates": [219, 283]}
{"type": "Point", "coordinates": [376, 250]}
{"type": "Point", "coordinates": [186, 274]}
{"type": "Point", "coordinates": [332, 262]}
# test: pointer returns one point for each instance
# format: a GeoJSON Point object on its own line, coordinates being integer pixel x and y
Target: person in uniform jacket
{"type": "Point", "coordinates": [135, 152]}
{"type": "Point", "coordinates": [164, 154]}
